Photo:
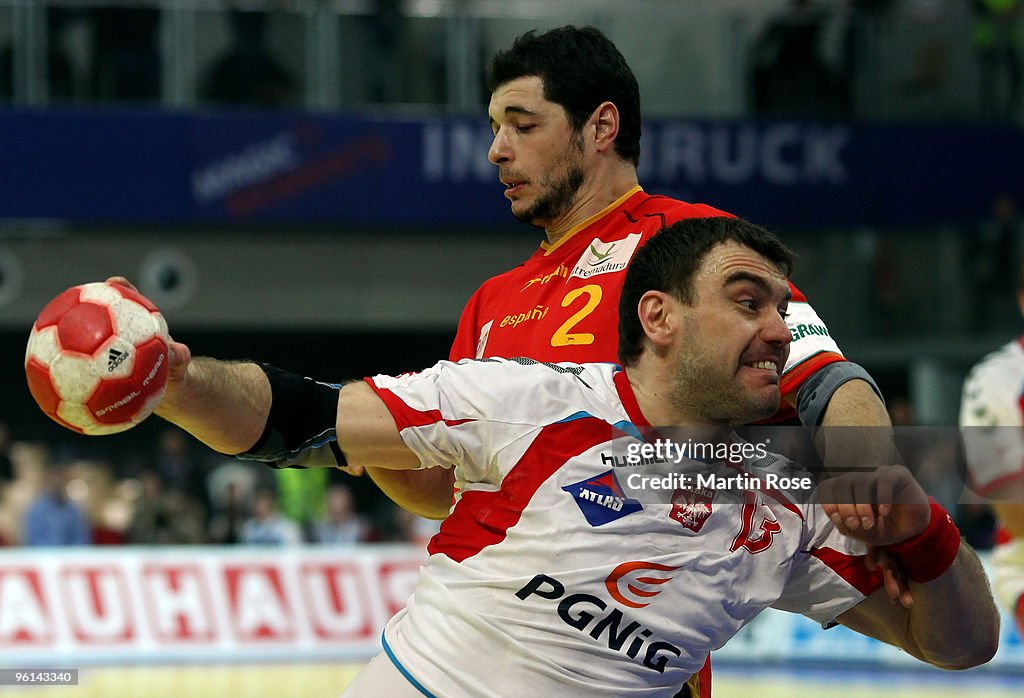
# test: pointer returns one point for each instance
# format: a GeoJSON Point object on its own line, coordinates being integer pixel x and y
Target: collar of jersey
{"type": "Point", "coordinates": [549, 247]}
{"type": "Point", "coordinates": [628, 399]}
{"type": "Point", "coordinates": [632, 407]}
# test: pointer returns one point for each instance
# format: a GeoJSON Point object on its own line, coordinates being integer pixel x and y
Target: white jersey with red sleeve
{"type": "Point", "coordinates": [556, 573]}
{"type": "Point", "coordinates": [562, 304]}
{"type": "Point", "coordinates": [992, 417]}
{"type": "Point", "coordinates": [992, 423]}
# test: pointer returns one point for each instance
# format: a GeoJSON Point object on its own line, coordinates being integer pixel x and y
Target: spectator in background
{"type": "Point", "coordinates": [342, 525]}
{"type": "Point", "coordinates": [52, 518]}
{"type": "Point", "coordinates": [996, 36]}
{"type": "Point", "coordinates": [231, 486]}
{"type": "Point", "coordinates": [790, 75]}
{"type": "Point", "coordinates": [415, 529]}
{"type": "Point", "coordinates": [247, 73]}
{"type": "Point", "coordinates": [991, 258]}
{"type": "Point", "coordinates": [6, 464]}
{"type": "Point", "coordinates": [303, 499]}
{"type": "Point", "coordinates": [164, 516]}
{"type": "Point", "coordinates": [180, 469]}
{"type": "Point", "coordinates": [267, 525]}
{"type": "Point", "coordinates": [384, 27]}
{"type": "Point", "coordinates": [126, 53]}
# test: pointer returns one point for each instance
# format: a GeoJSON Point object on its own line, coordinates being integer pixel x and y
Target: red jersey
{"type": "Point", "coordinates": [562, 303]}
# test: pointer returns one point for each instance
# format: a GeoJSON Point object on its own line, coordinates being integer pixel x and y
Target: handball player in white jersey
{"type": "Point", "coordinates": [553, 576]}
{"type": "Point", "coordinates": [992, 418]}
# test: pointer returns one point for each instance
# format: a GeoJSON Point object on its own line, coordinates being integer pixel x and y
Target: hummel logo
{"type": "Point", "coordinates": [115, 358]}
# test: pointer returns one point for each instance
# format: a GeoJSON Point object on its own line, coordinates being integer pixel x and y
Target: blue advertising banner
{"type": "Point", "coordinates": [162, 167]}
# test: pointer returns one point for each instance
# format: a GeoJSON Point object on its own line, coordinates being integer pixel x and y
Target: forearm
{"type": "Point", "coordinates": [856, 430]}
{"type": "Point", "coordinates": [953, 622]}
{"type": "Point", "coordinates": [939, 631]}
{"type": "Point", "coordinates": [223, 404]}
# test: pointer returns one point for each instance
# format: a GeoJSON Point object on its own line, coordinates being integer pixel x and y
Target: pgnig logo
{"type": "Point", "coordinates": [633, 584]}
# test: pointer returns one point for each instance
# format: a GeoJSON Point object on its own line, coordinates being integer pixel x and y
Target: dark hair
{"type": "Point", "coordinates": [580, 68]}
{"type": "Point", "coordinates": [668, 261]}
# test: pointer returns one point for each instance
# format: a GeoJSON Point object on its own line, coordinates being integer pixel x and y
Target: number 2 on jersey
{"type": "Point", "coordinates": [562, 336]}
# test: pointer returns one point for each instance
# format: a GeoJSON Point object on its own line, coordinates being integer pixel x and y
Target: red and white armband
{"type": "Point", "coordinates": [930, 553]}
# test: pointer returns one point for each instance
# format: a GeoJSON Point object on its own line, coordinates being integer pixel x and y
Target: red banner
{"type": "Point", "coordinates": [118, 604]}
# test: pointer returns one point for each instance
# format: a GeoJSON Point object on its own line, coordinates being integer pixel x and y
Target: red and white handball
{"type": "Point", "coordinates": [97, 358]}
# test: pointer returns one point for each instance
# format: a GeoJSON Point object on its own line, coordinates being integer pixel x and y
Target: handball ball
{"type": "Point", "coordinates": [97, 358]}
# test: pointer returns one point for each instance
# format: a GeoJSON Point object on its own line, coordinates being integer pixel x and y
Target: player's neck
{"type": "Point", "coordinates": [600, 190]}
{"type": "Point", "coordinates": [652, 388]}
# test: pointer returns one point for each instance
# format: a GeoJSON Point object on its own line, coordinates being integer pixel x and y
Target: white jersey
{"type": "Point", "coordinates": [552, 577]}
{"type": "Point", "coordinates": [992, 416]}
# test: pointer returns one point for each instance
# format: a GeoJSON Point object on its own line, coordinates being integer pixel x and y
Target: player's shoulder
{"type": "Point", "coordinates": [994, 383]}
{"type": "Point", "coordinates": [670, 209]}
{"type": "Point", "coordinates": [536, 388]}
{"type": "Point", "coordinates": [1002, 366]}
{"type": "Point", "coordinates": [563, 370]}
{"type": "Point", "coordinates": [500, 282]}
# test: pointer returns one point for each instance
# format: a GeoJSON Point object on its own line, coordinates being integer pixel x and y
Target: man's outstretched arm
{"type": "Point", "coordinates": [952, 621]}
{"type": "Point", "coordinates": [224, 404]}
{"type": "Point", "coordinates": [227, 404]}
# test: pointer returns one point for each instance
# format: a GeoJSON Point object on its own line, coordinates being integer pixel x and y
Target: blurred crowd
{"type": "Point", "coordinates": [186, 496]}
{"type": "Point", "coordinates": [863, 59]}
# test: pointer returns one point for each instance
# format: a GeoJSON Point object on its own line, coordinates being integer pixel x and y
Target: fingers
{"type": "Point", "coordinates": [885, 489]}
{"type": "Point", "coordinates": [881, 502]}
{"type": "Point", "coordinates": [850, 501]}
{"type": "Point", "coordinates": [179, 356]}
{"type": "Point", "coordinates": [862, 504]}
{"type": "Point", "coordinates": [121, 281]}
{"type": "Point", "coordinates": [894, 579]}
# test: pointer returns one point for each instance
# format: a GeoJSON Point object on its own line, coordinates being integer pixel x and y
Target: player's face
{"type": "Point", "coordinates": [735, 341]}
{"type": "Point", "coordinates": [540, 158]}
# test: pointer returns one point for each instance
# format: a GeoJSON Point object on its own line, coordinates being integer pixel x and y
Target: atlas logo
{"type": "Point", "coordinates": [590, 614]}
{"type": "Point", "coordinates": [601, 499]}
{"type": "Point", "coordinates": [635, 583]}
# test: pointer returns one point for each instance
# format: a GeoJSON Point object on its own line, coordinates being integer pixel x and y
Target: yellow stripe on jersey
{"type": "Point", "coordinates": [551, 247]}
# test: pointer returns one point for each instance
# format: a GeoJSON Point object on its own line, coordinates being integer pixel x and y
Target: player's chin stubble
{"type": "Point", "coordinates": [558, 197]}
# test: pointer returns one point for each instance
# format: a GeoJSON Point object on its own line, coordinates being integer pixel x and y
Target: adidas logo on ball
{"type": "Point", "coordinates": [115, 358]}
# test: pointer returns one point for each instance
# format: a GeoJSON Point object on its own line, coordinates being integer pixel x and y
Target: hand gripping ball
{"type": "Point", "coordinates": [97, 358]}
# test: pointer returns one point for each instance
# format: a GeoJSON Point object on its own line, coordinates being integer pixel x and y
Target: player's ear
{"type": "Point", "coordinates": [657, 318]}
{"type": "Point", "coordinates": [606, 125]}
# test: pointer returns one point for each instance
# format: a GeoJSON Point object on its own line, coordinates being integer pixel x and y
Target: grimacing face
{"type": "Point", "coordinates": [538, 155]}
{"type": "Point", "coordinates": [734, 341]}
